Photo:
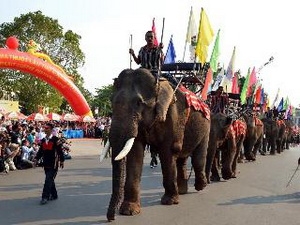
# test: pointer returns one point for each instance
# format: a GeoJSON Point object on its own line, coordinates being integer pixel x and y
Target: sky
{"type": "Point", "coordinates": [259, 29]}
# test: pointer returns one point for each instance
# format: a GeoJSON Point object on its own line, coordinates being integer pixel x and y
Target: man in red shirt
{"type": "Point", "coordinates": [52, 154]}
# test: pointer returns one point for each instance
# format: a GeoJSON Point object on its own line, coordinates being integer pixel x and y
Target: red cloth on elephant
{"type": "Point", "coordinates": [195, 102]}
{"type": "Point", "coordinates": [236, 129]}
{"type": "Point", "coordinates": [280, 122]}
{"type": "Point", "coordinates": [239, 127]}
{"type": "Point", "coordinates": [258, 122]}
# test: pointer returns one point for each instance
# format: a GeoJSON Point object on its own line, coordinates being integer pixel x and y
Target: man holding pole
{"type": "Point", "coordinates": [150, 56]}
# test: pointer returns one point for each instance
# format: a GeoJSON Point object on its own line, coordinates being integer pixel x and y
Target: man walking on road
{"type": "Point", "coordinates": [51, 153]}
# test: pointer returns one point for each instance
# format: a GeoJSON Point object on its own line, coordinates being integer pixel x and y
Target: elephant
{"type": "Point", "coordinates": [254, 136]}
{"type": "Point", "coordinates": [281, 135]}
{"type": "Point", "coordinates": [147, 110]}
{"type": "Point", "coordinates": [288, 133]}
{"type": "Point", "coordinates": [226, 138]}
{"type": "Point", "coordinates": [271, 131]}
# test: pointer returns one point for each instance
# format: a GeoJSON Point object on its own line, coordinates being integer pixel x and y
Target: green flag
{"type": "Point", "coordinates": [215, 54]}
{"type": "Point", "coordinates": [245, 88]}
{"type": "Point", "coordinates": [286, 103]}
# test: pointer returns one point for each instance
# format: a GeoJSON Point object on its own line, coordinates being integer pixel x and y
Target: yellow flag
{"type": "Point", "coordinates": [205, 36]}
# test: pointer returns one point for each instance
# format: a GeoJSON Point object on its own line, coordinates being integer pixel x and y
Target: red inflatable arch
{"type": "Point", "coordinates": [11, 58]}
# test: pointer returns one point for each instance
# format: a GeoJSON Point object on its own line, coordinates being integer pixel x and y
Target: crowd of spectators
{"type": "Point", "coordinates": [19, 140]}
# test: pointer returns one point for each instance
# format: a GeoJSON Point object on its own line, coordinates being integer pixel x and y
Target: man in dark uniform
{"type": "Point", "coordinates": [51, 153]}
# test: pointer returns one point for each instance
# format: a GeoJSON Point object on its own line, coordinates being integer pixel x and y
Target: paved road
{"type": "Point", "coordinates": [258, 196]}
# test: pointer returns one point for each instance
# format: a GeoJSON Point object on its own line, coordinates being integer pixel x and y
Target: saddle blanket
{"type": "Point", "coordinates": [195, 102]}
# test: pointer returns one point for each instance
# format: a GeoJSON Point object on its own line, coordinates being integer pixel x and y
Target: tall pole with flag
{"type": "Point", "coordinates": [170, 54]}
{"type": "Point", "coordinates": [215, 54]}
{"type": "Point", "coordinates": [205, 36]}
{"type": "Point", "coordinates": [154, 31]}
{"type": "Point", "coordinates": [191, 37]}
{"type": "Point", "coordinates": [227, 81]}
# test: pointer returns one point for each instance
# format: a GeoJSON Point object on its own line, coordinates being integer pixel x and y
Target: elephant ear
{"type": "Point", "coordinates": [165, 97]}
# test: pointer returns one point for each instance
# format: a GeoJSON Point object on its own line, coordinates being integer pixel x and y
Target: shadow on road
{"type": "Point", "coordinates": [255, 200]}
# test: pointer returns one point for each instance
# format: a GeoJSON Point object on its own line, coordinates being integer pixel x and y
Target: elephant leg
{"type": "Point", "coordinates": [198, 163]}
{"type": "Point", "coordinates": [215, 176]}
{"type": "Point", "coordinates": [182, 178]}
{"type": "Point", "coordinates": [168, 166]}
{"type": "Point", "coordinates": [248, 150]}
{"type": "Point", "coordinates": [134, 164]}
{"type": "Point", "coordinates": [272, 145]}
{"type": "Point", "coordinates": [211, 152]}
{"type": "Point", "coordinates": [236, 157]}
{"type": "Point", "coordinates": [257, 147]}
{"type": "Point", "coordinates": [228, 154]}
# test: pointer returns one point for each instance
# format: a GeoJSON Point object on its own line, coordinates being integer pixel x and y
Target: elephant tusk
{"type": "Point", "coordinates": [126, 149]}
{"type": "Point", "coordinates": [104, 151]}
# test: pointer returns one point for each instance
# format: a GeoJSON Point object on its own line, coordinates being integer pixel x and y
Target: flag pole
{"type": "Point", "coordinates": [288, 184]}
{"type": "Point", "coordinates": [162, 31]}
{"type": "Point", "coordinates": [130, 43]}
{"type": "Point", "coordinates": [187, 32]}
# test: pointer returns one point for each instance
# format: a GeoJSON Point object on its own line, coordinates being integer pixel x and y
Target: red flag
{"type": "Point", "coordinates": [235, 84]}
{"type": "Point", "coordinates": [258, 95]}
{"type": "Point", "coordinates": [154, 31]}
{"type": "Point", "coordinates": [207, 84]}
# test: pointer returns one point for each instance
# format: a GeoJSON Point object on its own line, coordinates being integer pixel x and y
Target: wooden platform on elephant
{"type": "Point", "coordinates": [191, 75]}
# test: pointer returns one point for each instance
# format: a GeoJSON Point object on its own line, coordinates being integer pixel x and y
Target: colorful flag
{"type": "Point", "coordinates": [257, 97]}
{"type": "Point", "coordinates": [215, 54]}
{"type": "Point", "coordinates": [276, 98]}
{"type": "Point", "coordinates": [170, 55]}
{"type": "Point", "coordinates": [218, 80]}
{"type": "Point", "coordinates": [227, 81]}
{"type": "Point", "coordinates": [245, 88]}
{"type": "Point", "coordinates": [280, 105]}
{"type": "Point", "coordinates": [191, 37]}
{"type": "Point", "coordinates": [205, 36]}
{"type": "Point", "coordinates": [207, 84]}
{"type": "Point", "coordinates": [286, 103]}
{"type": "Point", "coordinates": [235, 84]}
{"type": "Point", "coordinates": [252, 82]}
{"type": "Point", "coordinates": [154, 31]}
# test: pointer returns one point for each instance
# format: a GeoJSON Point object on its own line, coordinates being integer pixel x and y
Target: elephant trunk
{"type": "Point", "coordinates": [121, 138]}
{"type": "Point", "coordinates": [118, 182]}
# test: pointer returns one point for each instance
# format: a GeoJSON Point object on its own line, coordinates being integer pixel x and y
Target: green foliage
{"type": "Point", "coordinates": [102, 100]}
{"type": "Point", "coordinates": [63, 49]}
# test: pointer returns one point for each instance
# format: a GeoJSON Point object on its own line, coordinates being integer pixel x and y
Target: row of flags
{"type": "Point", "coordinates": [198, 41]}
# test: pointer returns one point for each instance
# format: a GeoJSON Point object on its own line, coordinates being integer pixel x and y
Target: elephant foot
{"type": "Point", "coordinates": [240, 160]}
{"type": "Point", "coordinates": [130, 208]}
{"type": "Point", "coordinates": [110, 215]}
{"type": "Point", "coordinates": [250, 157]}
{"type": "Point", "coordinates": [226, 175]}
{"type": "Point", "coordinates": [263, 153]}
{"type": "Point", "coordinates": [169, 200]}
{"type": "Point", "coordinates": [215, 178]}
{"type": "Point", "coordinates": [234, 175]}
{"type": "Point", "coordinates": [200, 184]}
{"type": "Point", "coordinates": [182, 187]}
{"type": "Point", "coordinates": [272, 153]}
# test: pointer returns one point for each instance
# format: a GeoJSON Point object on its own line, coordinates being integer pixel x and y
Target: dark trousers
{"type": "Point", "coordinates": [49, 185]}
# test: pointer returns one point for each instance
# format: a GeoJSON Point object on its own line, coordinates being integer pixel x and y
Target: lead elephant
{"type": "Point", "coordinates": [146, 111]}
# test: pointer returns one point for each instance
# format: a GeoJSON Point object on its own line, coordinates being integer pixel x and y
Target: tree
{"type": "Point", "coordinates": [102, 100]}
{"type": "Point", "coordinates": [63, 49]}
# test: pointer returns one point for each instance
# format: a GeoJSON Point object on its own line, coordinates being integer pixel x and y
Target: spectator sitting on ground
{"type": "Point", "coordinates": [11, 151]}
{"type": "Point", "coordinates": [26, 155]}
